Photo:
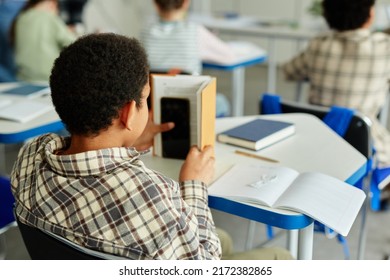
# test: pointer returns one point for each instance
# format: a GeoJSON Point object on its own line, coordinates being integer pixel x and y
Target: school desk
{"type": "Point", "coordinates": [237, 67]}
{"type": "Point", "coordinates": [314, 147]}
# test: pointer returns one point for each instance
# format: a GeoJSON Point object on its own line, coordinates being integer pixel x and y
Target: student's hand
{"type": "Point", "coordinates": [145, 141]}
{"type": "Point", "coordinates": [199, 165]}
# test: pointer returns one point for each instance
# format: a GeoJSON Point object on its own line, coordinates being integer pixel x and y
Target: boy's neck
{"type": "Point", "coordinates": [48, 6]}
{"type": "Point", "coordinates": [370, 20]}
{"type": "Point", "coordinates": [173, 16]}
{"type": "Point", "coordinates": [107, 139]}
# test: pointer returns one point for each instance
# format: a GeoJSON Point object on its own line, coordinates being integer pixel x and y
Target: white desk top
{"type": "Point", "coordinates": [13, 132]}
{"type": "Point", "coordinates": [314, 147]}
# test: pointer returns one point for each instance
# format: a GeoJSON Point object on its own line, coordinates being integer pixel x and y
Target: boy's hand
{"type": "Point", "coordinates": [199, 165]}
{"type": "Point", "coordinates": [145, 141]}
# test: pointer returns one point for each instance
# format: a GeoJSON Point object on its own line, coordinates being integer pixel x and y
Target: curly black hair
{"type": "Point", "coordinates": [344, 15]}
{"type": "Point", "coordinates": [94, 77]}
{"type": "Point", "coordinates": [169, 5]}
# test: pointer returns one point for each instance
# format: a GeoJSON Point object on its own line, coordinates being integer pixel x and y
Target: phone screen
{"type": "Point", "coordinates": [176, 142]}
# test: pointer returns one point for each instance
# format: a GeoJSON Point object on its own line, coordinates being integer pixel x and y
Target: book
{"type": "Point", "coordinates": [27, 90]}
{"type": "Point", "coordinates": [326, 199]}
{"type": "Point", "coordinates": [257, 134]}
{"type": "Point", "coordinates": [24, 111]}
{"type": "Point", "coordinates": [190, 102]}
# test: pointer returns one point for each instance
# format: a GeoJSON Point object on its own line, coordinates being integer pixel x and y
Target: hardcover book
{"type": "Point", "coordinates": [257, 134]}
{"type": "Point", "coordinates": [189, 102]}
{"type": "Point", "coordinates": [324, 198]}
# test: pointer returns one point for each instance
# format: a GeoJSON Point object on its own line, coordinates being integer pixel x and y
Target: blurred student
{"type": "Point", "coordinates": [349, 66]}
{"type": "Point", "coordinates": [8, 11]}
{"type": "Point", "coordinates": [175, 44]}
{"type": "Point", "coordinates": [38, 35]}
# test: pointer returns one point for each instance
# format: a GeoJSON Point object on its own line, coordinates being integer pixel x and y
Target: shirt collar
{"type": "Point", "coordinates": [91, 163]}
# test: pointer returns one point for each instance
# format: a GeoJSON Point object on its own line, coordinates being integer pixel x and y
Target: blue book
{"type": "Point", "coordinates": [257, 134]}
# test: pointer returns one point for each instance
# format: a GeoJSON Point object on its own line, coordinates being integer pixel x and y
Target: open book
{"type": "Point", "coordinates": [189, 102]}
{"type": "Point", "coordinates": [324, 198]}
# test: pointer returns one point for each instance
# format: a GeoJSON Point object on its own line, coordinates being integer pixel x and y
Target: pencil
{"type": "Point", "coordinates": [254, 156]}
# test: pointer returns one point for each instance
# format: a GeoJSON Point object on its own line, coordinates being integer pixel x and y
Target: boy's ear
{"type": "Point", "coordinates": [127, 114]}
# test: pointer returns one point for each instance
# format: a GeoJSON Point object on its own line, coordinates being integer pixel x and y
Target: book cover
{"type": "Point", "coordinates": [326, 199]}
{"type": "Point", "coordinates": [257, 134]}
{"type": "Point", "coordinates": [185, 98]}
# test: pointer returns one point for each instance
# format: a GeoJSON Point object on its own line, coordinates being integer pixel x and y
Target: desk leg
{"type": "Point", "coordinates": [238, 88]}
{"type": "Point", "coordinates": [271, 87]}
{"type": "Point", "coordinates": [305, 243]}
{"type": "Point", "coordinates": [250, 235]}
{"type": "Point", "coordinates": [292, 242]}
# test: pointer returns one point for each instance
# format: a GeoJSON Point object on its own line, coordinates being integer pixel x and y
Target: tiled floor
{"type": "Point", "coordinates": [378, 229]}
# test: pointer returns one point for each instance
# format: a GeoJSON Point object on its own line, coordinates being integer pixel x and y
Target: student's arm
{"type": "Point", "coordinates": [181, 221]}
{"type": "Point", "coordinates": [63, 33]}
{"type": "Point", "coordinates": [212, 48]}
{"type": "Point", "coordinates": [297, 68]}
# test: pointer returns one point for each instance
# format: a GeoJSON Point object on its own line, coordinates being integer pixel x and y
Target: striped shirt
{"type": "Point", "coordinates": [349, 69]}
{"type": "Point", "coordinates": [107, 200]}
{"type": "Point", "coordinates": [173, 44]}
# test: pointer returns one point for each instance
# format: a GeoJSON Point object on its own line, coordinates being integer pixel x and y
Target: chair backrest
{"type": "Point", "coordinates": [6, 205]}
{"type": "Point", "coordinates": [47, 246]}
{"type": "Point", "coordinates": [358, 133]}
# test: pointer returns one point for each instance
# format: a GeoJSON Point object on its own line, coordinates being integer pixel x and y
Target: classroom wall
{"type": "Point", "coordinates": [120, 16]}
{"type": "Point", "coordinates": [127, 17]}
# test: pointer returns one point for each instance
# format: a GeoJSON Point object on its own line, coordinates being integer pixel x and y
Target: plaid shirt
{"type": "Point", "coordinates": [349, 69]}
{"type": "Point", "coordinates": [107, 200]}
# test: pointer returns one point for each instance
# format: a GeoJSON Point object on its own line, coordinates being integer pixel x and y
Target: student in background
{"type": "Point", "coordinates": [175, 44]}
{"type": "Point", "coordinates": [38, 35]}
{"type": "Point", "coordinates": [8, 11]}
{"type": "Point", "coordinates": [349, 66]}
{"type": "Point", "coordinates": [92, 187]}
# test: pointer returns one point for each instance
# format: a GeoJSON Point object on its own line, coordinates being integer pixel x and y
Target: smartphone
{"type": "Point", "coordinates": [176, 142]}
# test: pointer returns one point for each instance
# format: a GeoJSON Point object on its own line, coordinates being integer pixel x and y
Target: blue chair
{"type": "Point", "coordinates": [352, 126]}
{"type": "Point", "coordinates": [7, 219]}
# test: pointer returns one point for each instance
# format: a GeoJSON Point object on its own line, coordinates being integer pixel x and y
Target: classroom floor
{"type": "Point", "coordinates": [378, 229]}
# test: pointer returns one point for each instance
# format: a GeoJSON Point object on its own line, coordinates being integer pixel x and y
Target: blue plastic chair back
{"type": "Point", "coordinates": [339, 119]}
{"type": "Point", "coordinates": [6, 203]}
{"type": "Point", "coordinates": [270, 104]}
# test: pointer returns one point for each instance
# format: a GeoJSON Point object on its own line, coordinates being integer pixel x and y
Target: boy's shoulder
{"type": "Point", "coordinates": [360, 35]}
